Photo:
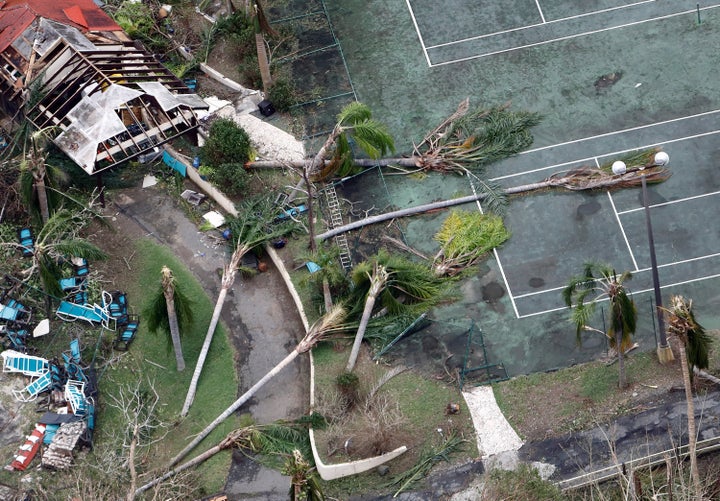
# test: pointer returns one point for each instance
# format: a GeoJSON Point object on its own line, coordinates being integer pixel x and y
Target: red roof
{"type": "Point", "coordinates": [12, 23]}
{"type": "Point", "coordinates": [17, 15]}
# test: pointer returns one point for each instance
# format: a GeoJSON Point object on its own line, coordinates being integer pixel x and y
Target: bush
{"type": "Point", "coordinates": [230, 177]}
{"type": "Point", "coordinates": [227, 143]}
{"type": "Point", "coordinates": [282, 95]}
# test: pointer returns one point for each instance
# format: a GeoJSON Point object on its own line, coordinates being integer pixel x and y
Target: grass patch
{"type": "Point", "coordinates": [580, 397]}
{"type": "Point", "coordinates": [420, 402]}
{"type": "Point", "coordinates": [217, 387]}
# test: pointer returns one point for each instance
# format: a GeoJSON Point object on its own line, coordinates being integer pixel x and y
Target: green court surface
{"type": "Point", "coordinates": [413, 61]}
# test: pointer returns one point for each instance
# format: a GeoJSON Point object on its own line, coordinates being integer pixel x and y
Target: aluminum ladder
{"type": "Point", "coordinates": [335, 222]}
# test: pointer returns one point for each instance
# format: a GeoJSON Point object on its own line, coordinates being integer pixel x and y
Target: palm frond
{"type": "Point", "coordinates": [79, 248]}
{"type": "Point", "coordinates": [354, 113]}
{"type": "Point", "coordinates": [183, 308]}
{"type": "Point", "coordinates": [373, 138]}
{"type": "Point", "coordinates": [155, 313]}
{"type": "Point", "coordinates": [580, 316]}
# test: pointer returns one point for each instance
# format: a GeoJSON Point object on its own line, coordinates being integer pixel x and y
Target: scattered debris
{"type": "Point", "coordinates": [607, 81]}
{"type": "Point", "coordinates": [193, 197]}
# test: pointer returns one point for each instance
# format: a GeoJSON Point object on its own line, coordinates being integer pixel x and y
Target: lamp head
{"type": "Point", "coordinates": [661, 158]}
{"type": "Point", "coordinates": [619, 168]}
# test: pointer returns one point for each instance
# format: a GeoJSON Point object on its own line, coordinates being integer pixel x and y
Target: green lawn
{"type": "Point", "coordinates": [150, 357]}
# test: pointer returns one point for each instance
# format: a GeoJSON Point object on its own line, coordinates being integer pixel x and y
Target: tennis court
{"type": "Point", "coordinates": [412, 61]}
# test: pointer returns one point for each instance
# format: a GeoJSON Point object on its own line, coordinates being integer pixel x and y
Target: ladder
{"type": "Point", "coordinates": [335, 222]}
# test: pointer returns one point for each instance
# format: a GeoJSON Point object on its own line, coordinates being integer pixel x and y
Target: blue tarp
{"type": "Point", "coordinates": [174, 163]}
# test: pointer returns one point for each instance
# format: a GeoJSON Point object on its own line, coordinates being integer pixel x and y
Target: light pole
{"type": "Point", "coordinates": [664, 351]}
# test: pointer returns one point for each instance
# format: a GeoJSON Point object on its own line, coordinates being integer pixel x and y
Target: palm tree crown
{"type": "Point", "coordinates": [601, 282]}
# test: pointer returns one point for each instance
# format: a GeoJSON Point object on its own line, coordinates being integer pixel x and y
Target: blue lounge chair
{"type": "Point", "coordinates": [116, 305]}
{"type": "Point", "coordinates": [31, 391]}
{"type": "Point", "coordinates": [8, 313]}
{"type": "Point", "coordinates": [25, 238]}
{"type": "Point", "coordinates": [72, 369]}
{"type": "Point", "coordinates": [12, 310]}
{"type": "Point", "coordinates": [15, 340]}
{"type": "Point", "coordinates": [291, 212]}
{"type": "Point", "coordinates": [79, 297]}
{"type": "Point", "coordinates": [75, 350]}
{"type": "Point", "coordinates": [14, 361]}
{"type": "Point", "coordinates": [80, 267]}
{"type": "Point", "coordinates": [126, 333]}
{"type": "Point", "coordinates": [94, 314]}
{"type": "Point", "coordinates": [72, 284]}
{"type": "Point", "coordinates": [75, 396]}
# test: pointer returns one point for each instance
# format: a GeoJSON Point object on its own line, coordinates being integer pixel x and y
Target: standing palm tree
{"type": "Point", "coordinates": [600, 282]}
{"type": "Point", "coordinates": [694, 346]}
{"type": "Point", "coordinates": [35, 174]}
{"type": "Point", "coordinates": [170, 310]}
{"type": "Point", "coordinates": [250, 229]}
{"type": "Point", "coordinates": [318, 331]}
{"type": "Point", "coordinates": [262, 27]}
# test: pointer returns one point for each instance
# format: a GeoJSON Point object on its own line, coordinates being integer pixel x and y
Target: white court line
{"type": "Point", "coordinates": [620, 225]}
{"type": "Point", "coordinates": [542, 16]}
{"type": "Point", "coordinates": [417, 30]}
{"type": "Point", "coordinates": [642, 291]}
{"type": "Point", "coordinates": [618, 152]}
{"type": "Point", "coordinates": [674, 284]}
{"type": "Point", "coordinates": [535, 25]}
{"type": "Point", "coordinates": [671, 202]}
{"type": "Point", "coordinates": [568, 37]}
{"type": "Point", "coordinates": [622, 230]}
{"type": "Point", "coordinates": [643, 270]}
{"type": "Point", "coordinates": [497, 256]}
{"type": "Point", "coordinates": [620, 131]}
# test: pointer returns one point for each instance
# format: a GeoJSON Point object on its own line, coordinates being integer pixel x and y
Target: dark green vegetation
{"type": "Point", "coordinates": [149, 356]}
{"type": "Point", "coordinates": [223, 156]}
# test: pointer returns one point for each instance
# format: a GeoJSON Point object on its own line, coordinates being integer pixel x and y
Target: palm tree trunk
{"type": "Point", "coordinates": [228, 279]}
{"type": "Point", "coordinates": [189, 464]}
{"type": "Point", "coordinates": [327, 295]}
{"type": "Point", "coordinates": [377, 283]}
{"type": "Point", "coordinates": [418, 209]}
{"type": "Point", "coordinates": [621, 360]}
{"type": "Point", "coordinates": [42, 198]}
{"type": "Point", "coordinates": [360, 162]}
{"type": "Point", "coordinates": [236, 405]}
{"type": "Point", "coordinates": [263, 62]}
{"type": "Point", "coordinates": [692, 433]}
{"type": "Point", "coordinates": [204, 352]}
{"type": "Point", "coordinates": [369, 305]}
{"type": "Point", "coordinates": [175, 332]}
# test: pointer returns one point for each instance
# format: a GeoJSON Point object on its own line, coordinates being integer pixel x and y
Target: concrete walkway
{"type": "Point", "coordinates": [259, 315]}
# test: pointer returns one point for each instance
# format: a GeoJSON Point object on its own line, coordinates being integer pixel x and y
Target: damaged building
{"type": "Point", "coordinates": [69, 66]}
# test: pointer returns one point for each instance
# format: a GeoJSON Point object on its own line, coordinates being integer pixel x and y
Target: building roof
{"type": "Point", "coordinates": [16, 15]}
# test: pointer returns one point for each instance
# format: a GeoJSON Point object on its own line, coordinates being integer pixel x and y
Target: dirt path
{"type": "Point", "coordinates": [259, 315]}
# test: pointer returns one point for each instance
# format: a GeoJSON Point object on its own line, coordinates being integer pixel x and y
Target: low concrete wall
{"type": "Point", "coordinates": [326, 471]}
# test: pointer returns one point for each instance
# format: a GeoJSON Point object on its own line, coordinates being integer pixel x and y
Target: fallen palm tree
{"type": "Point", "coordinates": [463, 143]}
{"type": "Point", "coordinates": [579, 179]}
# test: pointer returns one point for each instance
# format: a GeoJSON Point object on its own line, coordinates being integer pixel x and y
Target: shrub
{"type": "Point", "coordinates": [227, 143]}
{"type": "Point", "coordinates": [230, 177]}
{"type": "Point", "coordinates": [282, 95]}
